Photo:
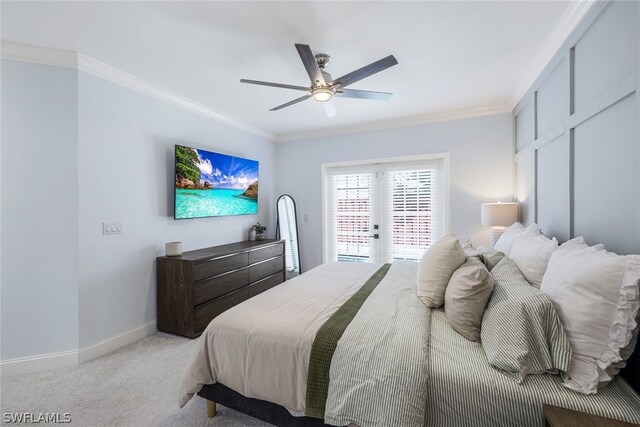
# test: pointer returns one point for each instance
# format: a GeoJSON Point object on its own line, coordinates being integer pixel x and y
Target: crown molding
{"type": "Point", "coordinates": [107, 72]}
{"type": "Point", "coordinates": [89, 65]}
{"type": "Point", "coordinates": [560, 33]}
{"type": "Point", "coordinates": [397, 123]}
{"type": "Point", "coordinates": [84, 63]}
{"type": "Point", "coordinates": [38, 55]}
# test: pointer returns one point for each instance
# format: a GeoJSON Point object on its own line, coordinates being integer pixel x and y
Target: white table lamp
{"type": "Point", "coordinates": [498, 216]}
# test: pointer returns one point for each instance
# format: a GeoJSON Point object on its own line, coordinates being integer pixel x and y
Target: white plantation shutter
{"type": "Point", "coordinates": [406, 200]}
{"type": "Point", "coordinates": [413, 210]}
{"type": "Point", "coordinates": [350, 217]}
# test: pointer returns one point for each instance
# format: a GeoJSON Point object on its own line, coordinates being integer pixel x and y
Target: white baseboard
{"type": "Point", "coordinates": [43, 362]}
{"type": "Point", "coordinates": [111, 344]}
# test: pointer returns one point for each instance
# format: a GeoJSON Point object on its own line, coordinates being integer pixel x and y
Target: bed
{"type": "Point", "coordinates": [395, 362]}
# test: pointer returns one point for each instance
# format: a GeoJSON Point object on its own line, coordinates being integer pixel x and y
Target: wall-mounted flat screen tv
{"type": "Point", "coordinates": [213, 184]}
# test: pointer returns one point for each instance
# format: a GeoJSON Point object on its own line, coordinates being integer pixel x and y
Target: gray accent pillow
{"type": "Point", "coordinates": [521, 331]}
{"type": "Point", "coordinates": [487, 254]}
{"type": "Point", "coordinates": [491, 257]}
{"type": "Point", "coordinates": [466, 297]}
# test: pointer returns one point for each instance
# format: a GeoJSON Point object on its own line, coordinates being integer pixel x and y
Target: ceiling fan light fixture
{"type": "Point", "coordinates": [322, 94]}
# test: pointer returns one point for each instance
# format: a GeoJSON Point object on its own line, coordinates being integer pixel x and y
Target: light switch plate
{"type": "Point", "coordinates": [111, 228]}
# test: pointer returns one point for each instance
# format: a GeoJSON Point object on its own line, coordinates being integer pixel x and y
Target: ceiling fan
{"type": "Point", "coordinates": [323, 87]}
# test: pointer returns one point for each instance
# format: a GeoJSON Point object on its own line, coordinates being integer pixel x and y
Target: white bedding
{"type": "Point", "coordinates": [261, 347]}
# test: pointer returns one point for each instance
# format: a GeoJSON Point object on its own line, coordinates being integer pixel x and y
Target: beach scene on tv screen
{"type": "Point", "coordinates": [213, 184]}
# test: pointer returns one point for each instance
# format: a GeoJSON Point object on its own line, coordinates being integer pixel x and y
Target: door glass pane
{"type": "Point", "coordinates": [410, 212]}
{"type": "Point", "coordinates": [351, 217]}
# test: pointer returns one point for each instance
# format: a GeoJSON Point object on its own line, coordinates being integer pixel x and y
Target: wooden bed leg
{"type": "Point", "coordinates": [211, 409]}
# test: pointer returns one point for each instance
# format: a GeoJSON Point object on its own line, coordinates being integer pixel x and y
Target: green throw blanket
{"type": "Point", "coordinates": [369, 361]}
{"type": "Point", "coordinates": [326, 342]}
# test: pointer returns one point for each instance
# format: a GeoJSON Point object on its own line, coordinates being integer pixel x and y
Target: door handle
{"type": "Point", "coordinates": [375, 236]}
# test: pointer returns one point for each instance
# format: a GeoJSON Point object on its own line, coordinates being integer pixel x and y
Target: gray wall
{"type": "Point", "coordinates": [126, 149]}
{"type": "Point", "coordinates": [39, 225]}
{"type": "Point", "coordinates": [578, 135]}
{"type": "Point", "coordinates": [78, 151]}
{"type": "Point", "coordinates": [481, 170]}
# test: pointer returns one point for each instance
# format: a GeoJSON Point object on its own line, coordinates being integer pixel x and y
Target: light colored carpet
{"type": "Point", "coordinates": [134, 386]}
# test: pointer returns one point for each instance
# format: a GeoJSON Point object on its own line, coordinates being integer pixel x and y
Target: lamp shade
{"type": "Point", "coordinates": [498, 214]}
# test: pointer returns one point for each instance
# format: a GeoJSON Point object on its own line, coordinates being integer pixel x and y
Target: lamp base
{"type": "Point", "coordinates": [496, 232]}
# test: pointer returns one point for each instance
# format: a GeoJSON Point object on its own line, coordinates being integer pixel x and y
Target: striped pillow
{"type": "Point", "coordinates": [521, 331]}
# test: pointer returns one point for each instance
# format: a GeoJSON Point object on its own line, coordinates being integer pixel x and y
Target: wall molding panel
{"type": "Point", "coordinates": [617, 93]}
{"type": "Point", "coordinates": [590, 137]}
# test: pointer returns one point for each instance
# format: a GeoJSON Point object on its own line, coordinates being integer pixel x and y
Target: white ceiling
{"type": "Point", "coordinates": [452, 55]}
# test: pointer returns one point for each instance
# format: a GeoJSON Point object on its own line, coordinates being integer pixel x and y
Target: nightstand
{"type": "Point", "coordinates": [560, 417]}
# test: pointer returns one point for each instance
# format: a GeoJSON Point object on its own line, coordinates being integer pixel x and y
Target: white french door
{"type": "Point", "coordinates": [385, 211]}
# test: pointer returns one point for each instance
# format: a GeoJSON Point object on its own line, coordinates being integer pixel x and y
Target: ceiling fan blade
{"type": "Point", "coordinates": [258, 82]}
{"type": "Point", "coordinates": [329, 108]}
{"type": "Point", "coordinates": [364, 94]}
{"type": "Point", "coordinates": [295, 101]}
{"type": "Point", "coordinates": [364, 72]}
{"type": "Point", "coordinates": [310, 64]}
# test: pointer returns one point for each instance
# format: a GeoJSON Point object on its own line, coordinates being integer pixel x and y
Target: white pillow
{"type": "Point", "coordinates": [596, 294]}
{"type": "Point", "coordinates": [436, 268]}
{"type": "Point", "coordinates": [505, 242]}
{"type": "Point", "coordinates": [531, 254]}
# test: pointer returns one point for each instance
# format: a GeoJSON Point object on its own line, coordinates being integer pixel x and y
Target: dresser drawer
{"type": "Point", "coordinates": [265, 284]}
{"type": "Point", "coordinates": [205, 313]}
{"type": "Point", "coordinates": [265, 268]}
{"type": "Point", "coordinates": [265, 252]}
{"type": "Point", "coordinates": [208, 289]}
{"type": "Point", "coordinates": [223, 264]}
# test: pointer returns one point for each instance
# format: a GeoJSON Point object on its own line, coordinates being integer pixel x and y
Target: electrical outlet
{"type": "Point", "coordinates": [111, 228]}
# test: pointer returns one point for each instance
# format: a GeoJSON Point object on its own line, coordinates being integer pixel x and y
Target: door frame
{"type": "Point", "coordinates": [435, 156]}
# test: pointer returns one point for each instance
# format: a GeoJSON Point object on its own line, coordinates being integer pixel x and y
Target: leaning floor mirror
{"type": "Point", "coordinates": [287, 229]}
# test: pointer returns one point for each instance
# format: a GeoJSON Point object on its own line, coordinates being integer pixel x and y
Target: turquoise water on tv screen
{"type": "Point", "coordinates": [216, 202]}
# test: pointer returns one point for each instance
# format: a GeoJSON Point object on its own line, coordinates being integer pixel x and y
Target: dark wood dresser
{"type": "Point", "coordinates": [197, 286]}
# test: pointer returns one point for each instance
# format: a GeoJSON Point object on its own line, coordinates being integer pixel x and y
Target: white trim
{"type": "Point", "coordinates": [38, 55]}
{"type": "Point", "coordinates": [416, 157]}
{"type": "Point", "coordinates": [561, 32]}
{"type": "Point", "coordinates": [84, 63]}
{"type": "Point", "coordinates": [43, 362]}
{"type": "Point", "coordinates": [397, 123]}
{"type": "Point", "coordinates": [81, 62]}
{"type": "Point", "coordinates": [111, 344]}
{"type": "Point", "coordinates": [119, 77]}
{"type": "Point", "coordinates": [434, 156]}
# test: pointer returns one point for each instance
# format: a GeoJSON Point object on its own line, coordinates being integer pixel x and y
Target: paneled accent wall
{"type": "Point", "coordinates": [577, 134]}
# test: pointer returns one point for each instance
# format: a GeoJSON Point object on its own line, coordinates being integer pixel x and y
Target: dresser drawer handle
{"type": "Point", "coordinates": [264, 247]}
{"type": "Point", "coordinates": [266, 260]}
{"type": "Point", "coordinates": [215, 258]}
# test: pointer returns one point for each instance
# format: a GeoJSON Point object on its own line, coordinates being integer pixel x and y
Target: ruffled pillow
{"type": "Point", "coordinates": [597, 296]}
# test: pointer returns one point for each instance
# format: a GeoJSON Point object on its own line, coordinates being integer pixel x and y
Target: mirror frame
{"type": "Point", "coordinates": [295, 215]}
